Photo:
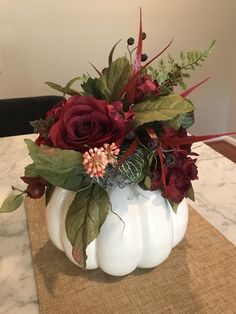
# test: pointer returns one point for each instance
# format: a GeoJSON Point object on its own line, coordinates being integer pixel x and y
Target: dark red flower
{"type": "Point", "coordinates": [86, 122]}
{"type": "Point", "coordinates": [178, 178]}
{"type": "Point", "coordinates": [40, 140]}
{"type": "Point", "coordinates": [45, 125]}
{"type": "Point", "coordinates": [180, 133]}
{"type": "Point", "coordinates": [179, 168]}
{"type": "Point", "coordinates": [55, 112]}
{"type": "Point", "coordinates": [145, 85]}
{"type": "Point", "coordinates": [155, 179]}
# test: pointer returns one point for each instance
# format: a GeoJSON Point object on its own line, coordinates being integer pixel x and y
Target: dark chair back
{"type": "Point", "coordinates": [16, 113]}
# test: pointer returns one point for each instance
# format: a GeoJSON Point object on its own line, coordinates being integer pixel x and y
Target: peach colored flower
{"type": "Point", "coordinates": [111, 150]}
{"type": "Point", "coordinates": [95, 162]}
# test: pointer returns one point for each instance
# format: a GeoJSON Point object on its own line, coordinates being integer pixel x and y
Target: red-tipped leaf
{"type": "Point", "coordinates": [191, 89]}
{"type": "Point", "coordinates": [95, 68]}
{"type": "Point", "coordinates": [112, 51]}
{"type": "Point", "coordinates": [131, 84]}
{"type": "Point", "coordinates": [176, 141]}
{"type": "Point", "coordinates": [163, 178]}
{"type": "Point", "coordinates": [158, 55]}
{"type": "Point", "coordinates": [137, 62]}
{"type": "Point", "coordinates": [130, 88]}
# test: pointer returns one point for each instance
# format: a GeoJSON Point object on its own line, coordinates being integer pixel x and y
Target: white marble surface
{"type": "Point", "coordinates": [215, 200]}
{"type": "Point", "coordinates": [17, 285]}
{"type": "Point", "coordinates": [215, 191]}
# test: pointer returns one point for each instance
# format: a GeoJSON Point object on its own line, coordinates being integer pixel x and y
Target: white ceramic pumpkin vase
{"type": "Point", "coordinates": [145, 238]}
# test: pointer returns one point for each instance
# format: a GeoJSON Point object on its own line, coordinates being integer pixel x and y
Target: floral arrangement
{"type": "Point", "coordinates": [126, 125]}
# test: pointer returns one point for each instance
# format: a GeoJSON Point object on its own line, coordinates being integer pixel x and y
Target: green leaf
{"type": "Point", "coordinates": [134, 166]}
{"type": "Point", "coordinates": [112, 51]}
{"type": "Point", "coordinates": [60, 167]}
{"type": "Point", "coordinates": [11, 203]}
{"type": "Point", "coordinates": [114, 78]}
{"type": "Point", "coordinates": [146, 183]}
{"type": "Point", "coordinates": [175, 123]}
{"type": "Point", "coordinates": [173, 205]}
{"type": "Point", "coordinates": [31, 171]}
{"type": "Point", "coordinates": [71, 82]}
{"type": "Point", "coordinates": [194, 58]}
{"type": "Point", "coordinates": [161, 109]}
{"type": "Point", "coordinates": [37, 125]}
{"type": "Point", "coordinates": [184, 119]}
{"type": "Point", "coordinates": [90, 88]}
{"type": "Point", "coordinates": [170, 72]}
{"type": "Point", "coordinates": [64, 90]}
{"type": "Point", "coordinates": [190, 194]}
{"type": "Point", "coordinates": [181, 83]}
{"type": "Point", "coordinates": [84, 219]}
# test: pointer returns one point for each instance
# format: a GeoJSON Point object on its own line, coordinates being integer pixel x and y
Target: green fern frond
{"type": "Point", "coordinates": [195, 58]}
{"type": "Point", "coordinates": [171, 73]}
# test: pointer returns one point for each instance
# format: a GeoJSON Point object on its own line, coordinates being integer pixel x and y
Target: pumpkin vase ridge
{"type": "Point", "coordinates": [140, 229]}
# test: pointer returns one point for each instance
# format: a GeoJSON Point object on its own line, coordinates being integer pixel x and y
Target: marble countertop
{"type": "Point", "coordinates": [215, 201]}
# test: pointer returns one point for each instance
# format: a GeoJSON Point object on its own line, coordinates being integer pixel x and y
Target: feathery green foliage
{"type": "Point", "coordinates": [171, 73]}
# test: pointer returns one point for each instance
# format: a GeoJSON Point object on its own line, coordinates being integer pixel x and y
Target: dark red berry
{"type": "Point", "coordinates": [35, 190]}
{"type": "Point", "coordinates": [144, 57]}
{"type": "Point", "coordinates": [130, 41]}
{"type": "Point", "coordinates": [144, 36]}
{"type": "Point", "coordinates": [170, 160]}
{"type": "Point", "coordinates": [153, 144]}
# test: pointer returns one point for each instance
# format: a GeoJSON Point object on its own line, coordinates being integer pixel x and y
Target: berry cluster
{"type": "Point", "coordinates": [131, 41]}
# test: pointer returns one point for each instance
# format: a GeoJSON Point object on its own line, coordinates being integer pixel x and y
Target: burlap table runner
{"type": "Point", "coordinates": [198, 277]}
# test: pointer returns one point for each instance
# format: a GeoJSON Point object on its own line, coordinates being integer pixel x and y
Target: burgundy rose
{"type": "Point", "coordinates": [145, 85]}
{"type": "Point", "coordinates": [86, 122]}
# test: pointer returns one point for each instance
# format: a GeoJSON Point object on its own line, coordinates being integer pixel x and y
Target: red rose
{"type": "Point", "coordinates": [86, 122]}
